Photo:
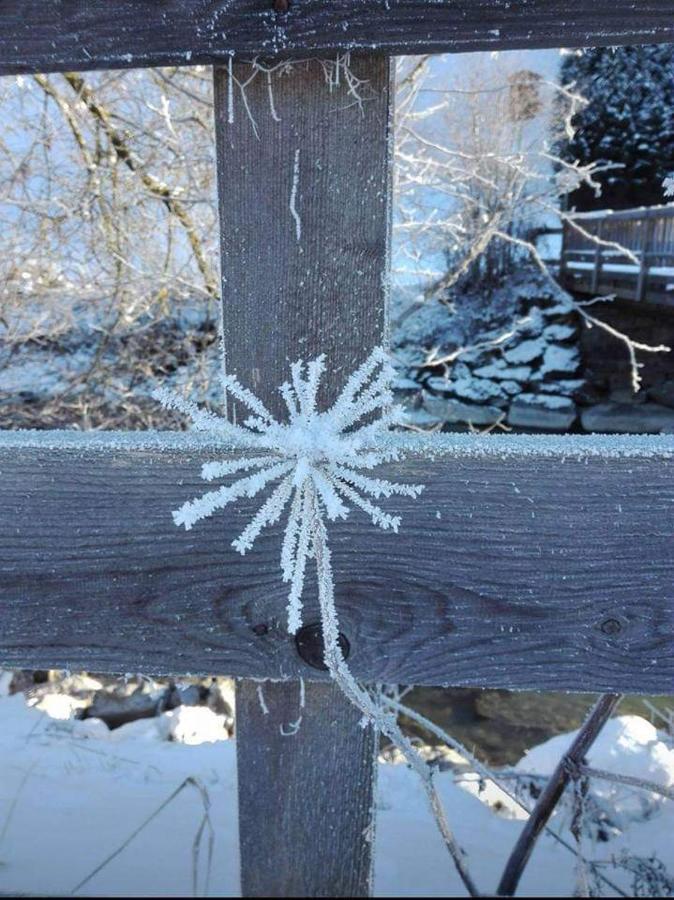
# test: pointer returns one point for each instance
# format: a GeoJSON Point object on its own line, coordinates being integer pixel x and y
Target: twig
{"type": "Point", "coordinates": [187, 782]}
{"type": "Point", "coordinates": [374, 714]}
{"type": "Point", "coordinates": [628, 780]}
{"type": "Point", "coordinates": [487, 774]}
{"type": "Point", "coordinates": [598, 717]}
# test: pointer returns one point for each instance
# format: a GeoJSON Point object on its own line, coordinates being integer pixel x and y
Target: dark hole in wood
{"type": "Point", "coordinates": [260, 629]}
{"type": "Point", "coordinates": [309, 643]}
{"type": "Point", "coordinates": [281, 6]}
{"type": "Point", "coordinates": [611, 626]}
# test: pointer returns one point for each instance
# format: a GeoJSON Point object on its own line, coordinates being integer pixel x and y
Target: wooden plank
{"type": "Point", "coordinates": [304, 196]}
{"type": "Point", "coordinates": [306, 796]}
{"type": "Point", "coordinates": [305, 221]}
{"type": "Point", "coordinates": [529, 562]}
{"type": "Point", "coordinates": [644, 246]}
{"type": "Point", "coordinates": [57, 35]}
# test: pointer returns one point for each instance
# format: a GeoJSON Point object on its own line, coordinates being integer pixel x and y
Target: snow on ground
{"type": "Point", "coordinates": [71, 793]}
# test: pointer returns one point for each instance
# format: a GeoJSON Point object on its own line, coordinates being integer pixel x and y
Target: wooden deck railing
{"type": "Point", "coordinates": [629, 253]}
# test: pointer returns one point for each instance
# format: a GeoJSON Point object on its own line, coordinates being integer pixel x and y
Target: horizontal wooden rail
{"type": "Point", "coordinates": [528, 562]}
{"type": "Point", "coordinates": [624, 215]}
{"type": "Point", "coordinates": [56, 35]}
{"type": "Point", "coordinates": [628, 253]}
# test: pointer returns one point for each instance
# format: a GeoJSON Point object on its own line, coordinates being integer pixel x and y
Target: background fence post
{"type": "Point", "coordinates": [644, 248]}
{"type": "Point", "coordinates": [304, 191]}
{"type": "Point", "coordinates": [598, 259]}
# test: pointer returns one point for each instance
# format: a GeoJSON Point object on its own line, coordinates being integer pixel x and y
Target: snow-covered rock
{"type": "Point", "coordinates": [558, 332]}
{"type": "Point", "coordinates": [194, 725]}
{"type": "Point", "coordinates": [566, 387]}
{"type": "Point", "coordinates": [420, 418]}
{"type": "Point", "coordinates": [559, 360]}
{"type": "Point", "coordinates": [480, 390]}
{"type": "Point", "coordinates": [447, 409]}
{"type": "Point", "coordinates": [645, 418]}
{"type": "Point", "coordinates": [500, 370]}
{"type": "Point", "coordinates": [548, 412]}
{"type": "Point", "coordinates": [526, 351]}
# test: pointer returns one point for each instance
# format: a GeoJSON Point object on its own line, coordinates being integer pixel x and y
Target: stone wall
{"type": "Point", "coordinates": [550, 373]}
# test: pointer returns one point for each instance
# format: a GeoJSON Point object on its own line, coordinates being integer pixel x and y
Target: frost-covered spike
{"type": "Point", "coordinates": [219, 468]}
{"type": "Point", "coordinates": [204, 506]}
{"type": "Point", "coordinates": [297, 375]}
{"type": "Point", "coordinates": [233, 386]}
{"type": "Point", "coordinates": [370, 459]}
{"type": "Point", "coordinates": [202, 419]}
{"type": "Point", "coordinates": [300, 562]}
{"type": "Point", "coordinates": [255, 423]}
{"type": "Point", "coordinates": [289, 399]}
{"type": "Point", "coordinates": [372, 434]}
{"type": "Point", "coordinates": [357, 381]}
{"type": "Point", "coordinates": [334, 508]}
{"type": "Point", "coordinates": [267, 514]}
{"type": "Point", "coordinates": [376, 514]}
{"type": "Point", "coordinates": [291, 533]}
{"type": "Point", "coordinates": [314, 371]}
{"type": "Point", "coordinates": [376, 487]}
{"type": "Point", "coordinates": [376, 396]}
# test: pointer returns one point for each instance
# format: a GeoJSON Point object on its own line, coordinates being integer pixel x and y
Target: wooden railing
{"type": "Point", "coordinates": [629, 253]}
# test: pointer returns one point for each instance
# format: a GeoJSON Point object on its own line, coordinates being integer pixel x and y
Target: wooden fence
{"type": "Point", "coordinates": [593, 258]}
{"type": "Point", "coordinates": [531, 563]}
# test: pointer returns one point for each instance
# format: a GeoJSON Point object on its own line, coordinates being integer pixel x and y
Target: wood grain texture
{"type": "Point", "coordinates": [546, 569]}
{"type": "Point", "coordinates": [314, 790]}
{"type": "Point", "coordinates": [304, 216]}
{"type": "Point", "coordinates": [304, 194]}
{"type": "Point", "coordinates": [57, 35]}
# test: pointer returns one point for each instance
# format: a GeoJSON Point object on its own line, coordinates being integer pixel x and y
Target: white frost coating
{"type": "Point", "coordinates": [262, 701]}
{"type": "Point", "coordinates": [436, 446]}
{"type": "Point", "coordinates": [230, 91]}
{"type": "Point", "coordinates": [293, 196]}
{"type": "Point", "coordinates": [312, 454]}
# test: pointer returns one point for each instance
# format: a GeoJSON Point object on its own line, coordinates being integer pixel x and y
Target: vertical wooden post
{"type": "Point", "coordinates": [562, 254]}
{"type": "Point", "coordinates": [598, 259]}
{"type": "Point", "coordinates": [644, 247]}
{"type": "Point", "coordinates": [304, 192]}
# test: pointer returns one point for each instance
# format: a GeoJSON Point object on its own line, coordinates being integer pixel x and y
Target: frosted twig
{"type": "Point", "coordinates": [262, 701]}
{"type": "Point", "coordinates": [641, 784]}
{"type": "Point", "coordinates": [293, 196]}
{"type": "Point", "coordinates": [373, 712]}
{"type": "Point", "coordinates": [230, 91]}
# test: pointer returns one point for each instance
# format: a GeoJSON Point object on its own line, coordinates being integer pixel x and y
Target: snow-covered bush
{"type": "Point", "coordinates": [628, 122]}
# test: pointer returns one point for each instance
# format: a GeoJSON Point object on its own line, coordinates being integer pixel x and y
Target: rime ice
{"type": "Point", "coordinates": [316, 459]}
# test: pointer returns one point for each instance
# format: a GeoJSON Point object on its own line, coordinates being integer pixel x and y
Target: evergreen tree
{"type": "Point", "coordinates": [629, 120]}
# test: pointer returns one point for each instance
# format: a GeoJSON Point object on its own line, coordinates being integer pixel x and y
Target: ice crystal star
{"type": "Point", "coordinates": [317, 461]}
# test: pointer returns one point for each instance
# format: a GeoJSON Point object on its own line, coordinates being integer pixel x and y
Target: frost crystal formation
{"type": "Point", "coordinates": [317, 462]}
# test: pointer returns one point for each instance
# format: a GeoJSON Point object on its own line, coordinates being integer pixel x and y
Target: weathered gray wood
{"type": "Point", "coordinates": [644, 247]}
{"type": "Point", "coordinates": [304, 213]}
{"type": "Point", "coordinates": [56, 35]}
{"type": "Point", "coordinates": [549, 567]}
{"type": "Point", "coordinates": [304, 799]}
{"type": "Point", "coordinates": [304, 198]}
